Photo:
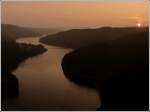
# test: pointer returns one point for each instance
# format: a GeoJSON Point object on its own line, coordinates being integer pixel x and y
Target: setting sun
{"type": "Point", "coordinates": [139, 24]}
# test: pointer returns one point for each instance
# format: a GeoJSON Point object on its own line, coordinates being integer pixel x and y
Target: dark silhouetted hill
{"type": "Point", "coordinates": [77, 38]}
{"type": "Point", "coordinates": [12, 55]}
{"type": "Point", "coordinates": [117, 68]}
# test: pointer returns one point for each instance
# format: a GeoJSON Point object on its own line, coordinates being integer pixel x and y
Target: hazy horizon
{"type": "Point", "coordinates": [75, 14]}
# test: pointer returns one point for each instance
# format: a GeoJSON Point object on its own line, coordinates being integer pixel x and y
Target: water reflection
{"type": "Point", "coordinates": [43, 86]}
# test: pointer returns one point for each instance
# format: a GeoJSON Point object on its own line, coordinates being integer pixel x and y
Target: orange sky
{"type": "Point", "coordinates": [75, 14]}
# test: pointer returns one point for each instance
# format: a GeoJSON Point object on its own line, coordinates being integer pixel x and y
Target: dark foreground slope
{"type": "Point", "coordinates": [77, 38]}
{"type": "Point", "coordinates": [12, 55]}
{"type": "Point", "coordinates": [118, 69]}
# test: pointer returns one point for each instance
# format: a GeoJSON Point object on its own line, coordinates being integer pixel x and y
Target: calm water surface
{"type": "Point", "coordinates": [43, 86]}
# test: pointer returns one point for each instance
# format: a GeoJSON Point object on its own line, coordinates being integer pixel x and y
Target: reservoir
{"type": "Point", "coordinates": [43, 85]}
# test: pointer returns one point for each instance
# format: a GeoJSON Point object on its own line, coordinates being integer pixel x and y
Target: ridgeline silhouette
{"type": "Point", "coordinates": [77, 38]}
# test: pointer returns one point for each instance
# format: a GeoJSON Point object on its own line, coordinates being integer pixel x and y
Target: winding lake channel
{"type": "Point", "coordinates": [43, 85]}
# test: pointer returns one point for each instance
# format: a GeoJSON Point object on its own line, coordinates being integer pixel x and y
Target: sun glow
{"type": "Point", "coordinates": [139, 25]}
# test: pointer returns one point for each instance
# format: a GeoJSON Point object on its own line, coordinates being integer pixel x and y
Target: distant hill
{"type": "Point", "coordinates": [46, 31]}
{"type": "Point", "coordinates": [14, 31]}
{"type": "Point", "coordinates": [77, 38]}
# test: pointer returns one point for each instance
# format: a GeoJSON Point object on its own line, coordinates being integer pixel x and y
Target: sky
{"type": "Point", "coordinates": [76, 14]}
